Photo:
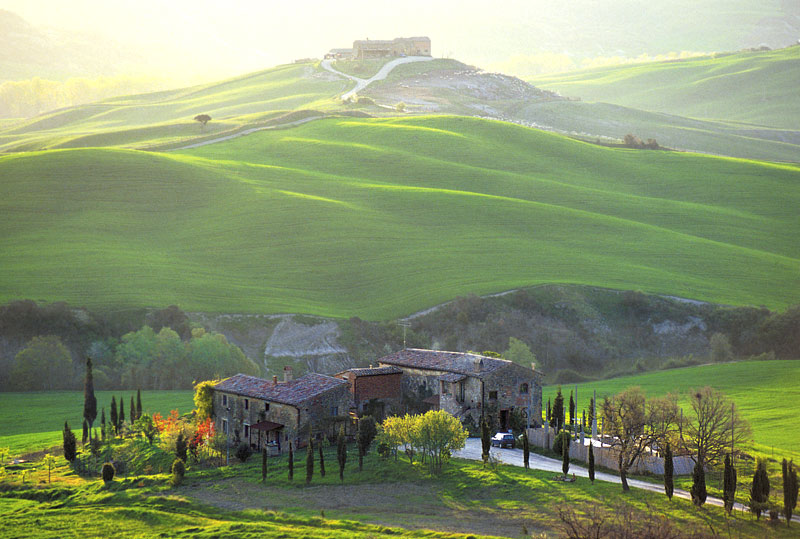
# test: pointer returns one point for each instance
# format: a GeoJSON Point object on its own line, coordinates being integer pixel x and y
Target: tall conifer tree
{"type": "Point", "coordinates": [789, 489]}
{"type": "Point", "coordinates": [114, 418]}
{"type": "Point", "coordinates": [89, 400]}
{"type": "Point", "coordinates": [669, 472]}
{"type": "Point", "coordinates": [729, 484]}
{"type": "Point", "coordinates": [138, 403]}
{"type": "Point", "coordinates": [591, 462]}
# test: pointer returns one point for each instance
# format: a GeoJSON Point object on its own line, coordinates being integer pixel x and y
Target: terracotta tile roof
{"type": "Point", "coordinates": [293, 392]}
{"type": "Point", "coordinates": [373, 371]}
{"type": "Point", "coordinates": [435, 360]}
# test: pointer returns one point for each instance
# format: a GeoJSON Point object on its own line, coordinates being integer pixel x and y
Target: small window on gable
{"type": "Point", "coordinates": [266, 407]}
{"type": "Point", "coordinates": [246, 404]}
{"type": "Point", "coordinates": [493, 395]}
{"type": "Point", "coordinates": [224, 400]}
{"type": "Point", "coordinates": [523, 389]}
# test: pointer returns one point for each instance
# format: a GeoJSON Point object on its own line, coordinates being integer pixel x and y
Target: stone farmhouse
{"type": "Point", "coordinates": [468, 385]}
{"type": "Point", "coordinates": [380, 48]}
{"type": "Point", "coordinates": [269, 413]}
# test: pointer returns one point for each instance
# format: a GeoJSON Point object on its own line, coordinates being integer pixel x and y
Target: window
{"type": "Point", "coordinates": [266, 407]}
{"type": "Point", "coordinates": [523, 389]}
{"type": "Point", "coordinates": [247, 431]}
{"type": "Point", "coordinates": [445, 388]}
{"type": "Point", "coordinates": [225, 426]}
{"type": "Point", "coordinates": [224, 400]}
{"type": "Point", "coordinates": [334, 410]}
{"type": "Point", "coordinates": [461, 391]}
{"type": "Point", "coordinates": [246, 404]}
{"type": "Point", "coordinates": [493, 395]}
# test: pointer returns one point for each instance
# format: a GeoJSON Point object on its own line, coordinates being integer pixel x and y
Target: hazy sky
{"type": "Point", "coordinates": [237, 36]}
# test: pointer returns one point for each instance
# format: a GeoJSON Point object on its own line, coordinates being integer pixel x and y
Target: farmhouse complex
{"type": "Point", "coordinates": [370, 48]}
{"type": "Point", "coordinates": [272, 413]}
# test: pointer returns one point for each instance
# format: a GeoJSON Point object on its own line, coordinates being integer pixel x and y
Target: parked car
{"type": "Point", "coordinates": [503, 439]}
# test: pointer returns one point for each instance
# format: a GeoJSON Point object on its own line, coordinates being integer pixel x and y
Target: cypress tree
{"type": "Point", "coordinates": [699, 484]}
{"type": "Point", "coordinates": [590, 418]}
{"type": "Point", "coordinates": [132, 412]}
{"type": "Point", "coordinates": [309, 461]}
{"type": "Point", "coordinates": [526, 449]}
{"type": "Point", "coordinates": [85, 432]}
{"type": "Point", "coordinates": [759, 491]}
{"type": "Point", "coordinates": [591, 462]}
{"type": "Point", "coordinates": [321, 461]}
{"type": "Point", "coordinates": [486, 441]}
{"type": "Point", "coordinates": [571, 410]}
{"type": "Point", "coordinates": [669, 472]}
{"type": "Point", "coordinates": [103, 424]}
{"type": "Point", "coordinates": [549, 415]}
{"type": "Point", "coordinates": [291, 462]}
{"type": "Point", "coordinates": [70, 449]}
{"type": "Point", "coordinates": [557, 419]}
{"type": "Point", "coordinates": [263, 464]}
{"type": "Point", "coordinates": [89, 400]}
{"type": "Point", "coordinates": [341, 452]}
{"type": "Point", "coordinates": [565, 455]}
{"type": "Point", "coordinates": [790, 488]}
{"type": "Point", "coordinates": [729, 484]}
{"type": "Point", "coordinates": [114, 418]}
{"type": "Point", "coordinates": [181, 446]}
{"type": "Point", "coordinates": [121, 413]}
{"type": "Point", "coordinates": [139, 404]}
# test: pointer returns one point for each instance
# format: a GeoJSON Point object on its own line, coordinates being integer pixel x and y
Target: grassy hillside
{"type": "Point", "coordinates": [146, 120]}
{"type": "Point", "coordinates": [754, 87]}
{"type": "Point", "coordinates": [764, 391]}
{"type": "Point", "coordinates": [379, 218]}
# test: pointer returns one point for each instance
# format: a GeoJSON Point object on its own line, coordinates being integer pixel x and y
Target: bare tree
{"type": "Point", "coordinates": [713, 427]}
{"type": "Point", "coordinates": [636, 425]}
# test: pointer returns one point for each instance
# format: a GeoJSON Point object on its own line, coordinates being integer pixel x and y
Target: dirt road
{"type": "Point", "coordinates": [380, 75]}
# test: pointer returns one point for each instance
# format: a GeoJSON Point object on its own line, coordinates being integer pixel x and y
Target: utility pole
{"type": "Point", "coordinates": [406, 324]}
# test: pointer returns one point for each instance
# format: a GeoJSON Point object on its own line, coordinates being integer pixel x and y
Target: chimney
{"type": "Point", "coordinates": [533, 367]}
{"type": "Point", "coordinates": [287, 373]}
{"type": "Point", "coordinates": [274, 380]}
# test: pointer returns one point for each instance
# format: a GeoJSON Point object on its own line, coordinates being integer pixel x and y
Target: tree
{"type": "Point", "coordinates": [720, 348]}
{"type": "Point", "coordinates": [121, 413]}
{"type": "Point", "coordinates": [204, 398]}
{"type": "Point", "coordinates": [439, 434]}
{"type": "Point", "coordinates": [178, 471]}
{"type": "Point", "coordinates": [549, 414]}
{"type": "Point", "coordinates": [202, 118]}
{"type": "Point", "coordinates": [526, 449]}
{"type": "Point", "coordinates": [139, 406]}
{"type": "Point", "coordinates": [42, 364]}
{"type": "Point", "coordinates": [571, 410]}
{"type": "Point", "coordinates": [114, 418]}
{"type": "Point", "coordinates": [486, 441]}
{"type": "Point", "coordinates": [263, 464]}
{"type": "Point", "coordinates": [565, 457]}
{"type": "Point", "coordinates": [291, 462]}
{"type": "Point", "coordinates": [759, 490]}
{"type": "Point", "coordinates": [669, 472]}
{"type": "Point", "coordinates": [590, 415]}
{"type": "Point", "coordinates": [309, 461]}
{"type": "Point", "coordinates": [400, 107]}
{"type": "Point", "coordinates": [321, 459]}
{"type": "Point", "coordinates": [181, 446]}
{"type": "Point", "coordinates": [790, 489]}
{"type": "Point", "coordinates": [49, 461]}
{"type": "Point", "coordinates": [243, 452]}
{"type": "Point", "coordinates": [557, 418]}
{"type": "Point", "coordinates": [108, 472]}
{"type": "Point", "coordinates": [713, 426]}
{"type": "Point", "coordinates": [341, 452]}
{"type": "Point", "coordinates": [146, 428]}
{"type": "Point", "coordinates": [85, 435]}
{"type": "Point", "coordinates": [519, 352]}
{"type": "Point", "coordinates": [132, 409]}
{"type": "Point", "coordinates": [103, 423]}
{"type": "Point", "coordinates": [69, 443]}
{"type": "Point", "coordinates": [366, 433]}
{"type": "Point", "coordinates": [591, 462]}
{"type": "Point", "coordinates": [729, 485]}
{"type": "Point", "coordinates": [698, 484]}
{"type": "Point", "coordinates": [635, 425]}
{"type": "Point", "coordinates": [89, 400]}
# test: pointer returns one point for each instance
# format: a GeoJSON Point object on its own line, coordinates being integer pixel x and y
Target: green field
{"type": "Point", "coordinates": [758, 88]}
{"type": "Point", "coordinates": [379, 218]}
{"type": "Point", "coordinates": [766, 393]}
{"type": "Point", "coordinates": [34, 421]}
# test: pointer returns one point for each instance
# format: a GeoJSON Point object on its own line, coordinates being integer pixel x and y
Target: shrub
{"type": "Point", "coordinates": [108, 472]}
{"type": "Point", "coordinates": [181, 447]}
{"type": "Point", "coordinates": [364, 101]}
{"type": "Point", "coordinates": [178, 471]}
{"type": "Point", "coordinates": [70, 443]}
{"type": "Point", "coordinates": [243, 452]}
{"type": "Point", "coordinates": [559, 441]}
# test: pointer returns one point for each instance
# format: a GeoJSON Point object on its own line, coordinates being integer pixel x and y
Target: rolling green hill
{"type": "Point", "coordinates": [764, 391]}
{"type": "Point", "coordinates": [378, 218]}
{"type": "Point", "coordinates": [758, 88]}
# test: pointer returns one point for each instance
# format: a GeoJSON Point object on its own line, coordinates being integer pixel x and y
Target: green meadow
{"type": "Point", "coordinates": [765, 392]}
{"type": "Point", "coordinates": [758, 88]}
{"type": "Point", "coordinates": [379, 218]}
{"type": "Point", "coordinates": [34, 421]}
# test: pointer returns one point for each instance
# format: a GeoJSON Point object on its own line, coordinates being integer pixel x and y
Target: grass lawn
{"type": "Point", "coordinates": [34, 421]}
{"type": "Point", "coordinates": [764, 391]}
{"type": "Point", "coordinates": [378, 218]}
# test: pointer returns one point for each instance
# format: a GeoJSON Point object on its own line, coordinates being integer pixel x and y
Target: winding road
{"type": "Point", "coordinates": [380, 75]}
{"type": "Point", "coordinates": [472, 450]}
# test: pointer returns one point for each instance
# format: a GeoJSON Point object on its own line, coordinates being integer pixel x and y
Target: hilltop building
{"type": "Point", "coordinates": [380, 48]}
{"type": "Point", "coordinates": [269, 413]}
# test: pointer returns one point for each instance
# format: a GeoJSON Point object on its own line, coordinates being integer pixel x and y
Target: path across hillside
{"type": "Point", "coordinates": [380, 75]}
{"type": "Point", "coordinates": [246, 132]}
{"type": "Point", "coordinates": [472, 450]}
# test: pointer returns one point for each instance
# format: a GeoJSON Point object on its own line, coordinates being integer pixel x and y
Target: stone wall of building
{"type": "Point", "coordinates": [517, 388]}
